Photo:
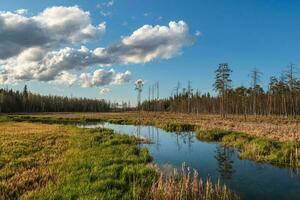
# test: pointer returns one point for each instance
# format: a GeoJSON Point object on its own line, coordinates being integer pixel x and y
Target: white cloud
{"type": "Point", "coordinates": [22, 11]}
{"type": "Point", "coordinates": [70, 24]}
{"type": "Point", "coordinates": [36, 48]}
{"type": "Point", "coordinates": [51, 28]}
{"type": "Point", "coordinates": [27, 67]}
{"type": "Point", "coordinates": [151, 42]}
{"type": "Point", "coordinates": [103, 77]}
{"type": "Point", "coordinates": [198, 33]}
{"type": "Point", "coordinates": [65, 78]}
{"type": "Point", "coordinates": [104, 91]}
{"type": "Point", "coordinates": [121, 78]}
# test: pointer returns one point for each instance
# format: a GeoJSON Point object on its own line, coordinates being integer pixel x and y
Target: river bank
{"type": "Point", "coordinates": [51, 161]}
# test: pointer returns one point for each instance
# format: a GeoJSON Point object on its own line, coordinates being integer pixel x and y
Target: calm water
{"type": "Point", "coordinates": [249, 179]}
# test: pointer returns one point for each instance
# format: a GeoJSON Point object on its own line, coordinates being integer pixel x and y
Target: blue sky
{"type": "Point", "coordinates": [246, 34]}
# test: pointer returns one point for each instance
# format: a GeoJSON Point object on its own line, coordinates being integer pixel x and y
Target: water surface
{"type": "Point", "coordinates": [249, 179]}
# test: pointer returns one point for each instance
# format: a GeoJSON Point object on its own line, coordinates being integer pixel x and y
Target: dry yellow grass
{"type": "Point", "coordinates": [271, 127]}
{"type": "Point", "coordinates": [27, 152]}
{"type": "Point", "coordinates": [186, 185]}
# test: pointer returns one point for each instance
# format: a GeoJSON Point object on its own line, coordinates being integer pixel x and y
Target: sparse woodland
{"type": "Point", "coordinates": [282, 96]}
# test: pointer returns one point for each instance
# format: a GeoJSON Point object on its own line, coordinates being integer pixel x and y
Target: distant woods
{"type": "Point", "coordinates": [25, 101]}
{"type": "Point", "coordinates": [281, 97]}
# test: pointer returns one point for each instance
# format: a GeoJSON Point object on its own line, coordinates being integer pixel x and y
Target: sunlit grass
{"type": "Point", "coordinates": [40, 161]}
{"type": "Point", "coordinates": [27, 153]}
{"type": "Point", "coordinates": [271, 127]}
{"type": "Point", "coordinates": [258, 149]}
{"type": "Point", "coordinates": [187, 185]}
{"type": "Point", "coordinates": [43, 161]}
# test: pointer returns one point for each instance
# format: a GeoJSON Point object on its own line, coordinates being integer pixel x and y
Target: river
{"type": "Point", "coordinates": [251, 180]}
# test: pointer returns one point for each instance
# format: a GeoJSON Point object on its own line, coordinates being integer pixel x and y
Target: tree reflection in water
{"type": "Point", "coordinates": [224, 157]}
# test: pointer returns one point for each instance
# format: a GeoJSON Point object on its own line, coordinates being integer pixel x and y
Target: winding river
{"type": "Point", "coordinates": [251, 180]}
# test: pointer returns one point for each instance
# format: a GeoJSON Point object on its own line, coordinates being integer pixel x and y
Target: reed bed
{"type": "Point", "coordinates": [188, 186]}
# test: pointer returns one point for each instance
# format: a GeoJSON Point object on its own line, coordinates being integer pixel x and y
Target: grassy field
{"type": "Point", "coordinates": [270, 139]}
{"type": "Point", "coordinates": [40, 161]}
{"type": "Point", "coordinates": [50, 161]}
{"type": "Point", "coordinates": [270, 127]}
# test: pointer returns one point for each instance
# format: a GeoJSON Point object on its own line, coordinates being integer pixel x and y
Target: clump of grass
{"type": "Point", "coordinates": [187, 185]}
{"type": "Point", "coordinates": [254, 148]}
{"type": "Point", "coordinates": [119, 121]}
{"type": "Point", "coordinates": [211, 135]}
{"type": "Point", "coordinates": [177, 127]}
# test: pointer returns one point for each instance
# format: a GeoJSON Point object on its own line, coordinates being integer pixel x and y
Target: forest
{"type": "Point", "coordinates": [25, 101]}
{"type": "Point", "coordinates": [281, 97]}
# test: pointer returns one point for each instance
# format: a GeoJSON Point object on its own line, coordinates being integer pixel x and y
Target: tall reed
{"type": "Point", "coordinates": [188, 186]}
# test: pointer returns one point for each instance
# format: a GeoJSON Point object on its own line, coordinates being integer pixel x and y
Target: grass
{"type": "Point", "coordinates": [187, 186]}
{"type": "Point", "coordinates": [176, 127]}
{"type": "Point", "coordinates": [285, 129]}
{"type": "Point", "coordinates": [254, 148]}
{"type": "Point", "coordinates": [51, 161]}
{"type": "Point", "coordinates": [166, 125]}
{"type": "Point", "coordinates": [40, 161]}
{"type": "Point", "coordinates": [26, 151]}
{"type": "Point", "coordinates": [48, 120]}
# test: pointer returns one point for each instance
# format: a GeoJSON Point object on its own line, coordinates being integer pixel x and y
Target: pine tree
{"type": "Point", "coordinates": [222, 84]}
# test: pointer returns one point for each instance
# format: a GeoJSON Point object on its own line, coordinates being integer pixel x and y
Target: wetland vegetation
{"type": "Point", "coordinates": [52, 161]}
{"type": "Point", "coordinates": [254, 148]}
{"type": "Point", "coordinates": [258, 148]}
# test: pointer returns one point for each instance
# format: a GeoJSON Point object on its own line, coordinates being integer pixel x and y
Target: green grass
{"type": "Point", "coordinates": [176, 127]}
{"type": "Point", "coordinates": [166, 125]}
{"type": "Point", "coordinates": [40, 161]}
{"type": "Point", "coordinates": [50, 161]}
{"type": "Point", "coordinates": [254, 148]}
{"type": "Point", "coordinates": [103, 165]}
{"type": "Point", "coordinates": [258, 149]}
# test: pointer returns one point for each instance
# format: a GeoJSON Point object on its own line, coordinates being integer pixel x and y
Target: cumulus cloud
{"type": "Point", "coordinates": [103, 77]}
{"type": "Point", "coordinates": [36, 48]}
{"type": "Point", "coordinates": [151, 42]}
{"type": "Point", "coordinates": [98, 78]}
{"type": "Point", "coordinates": [104, 91]}
{"type": "Point", "coordinates": [49, 29]}
{"type": "Point", "coordinates": [65, 78]}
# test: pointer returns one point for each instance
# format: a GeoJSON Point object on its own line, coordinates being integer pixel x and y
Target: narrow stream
{"type": "Point", "coordinates": [249, 179]}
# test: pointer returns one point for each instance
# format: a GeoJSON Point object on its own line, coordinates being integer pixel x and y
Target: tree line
{"type": "Point", "coordinates": [281, 97]}
{"type": "Point", "coordinates": [25, 101]}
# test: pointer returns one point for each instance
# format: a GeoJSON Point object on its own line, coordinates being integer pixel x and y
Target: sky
{"type": "Point", "coordinates": [98, 49]}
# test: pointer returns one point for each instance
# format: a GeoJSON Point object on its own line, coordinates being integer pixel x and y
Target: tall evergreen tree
{"type": "Point", "coordinates": [222, 84]}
